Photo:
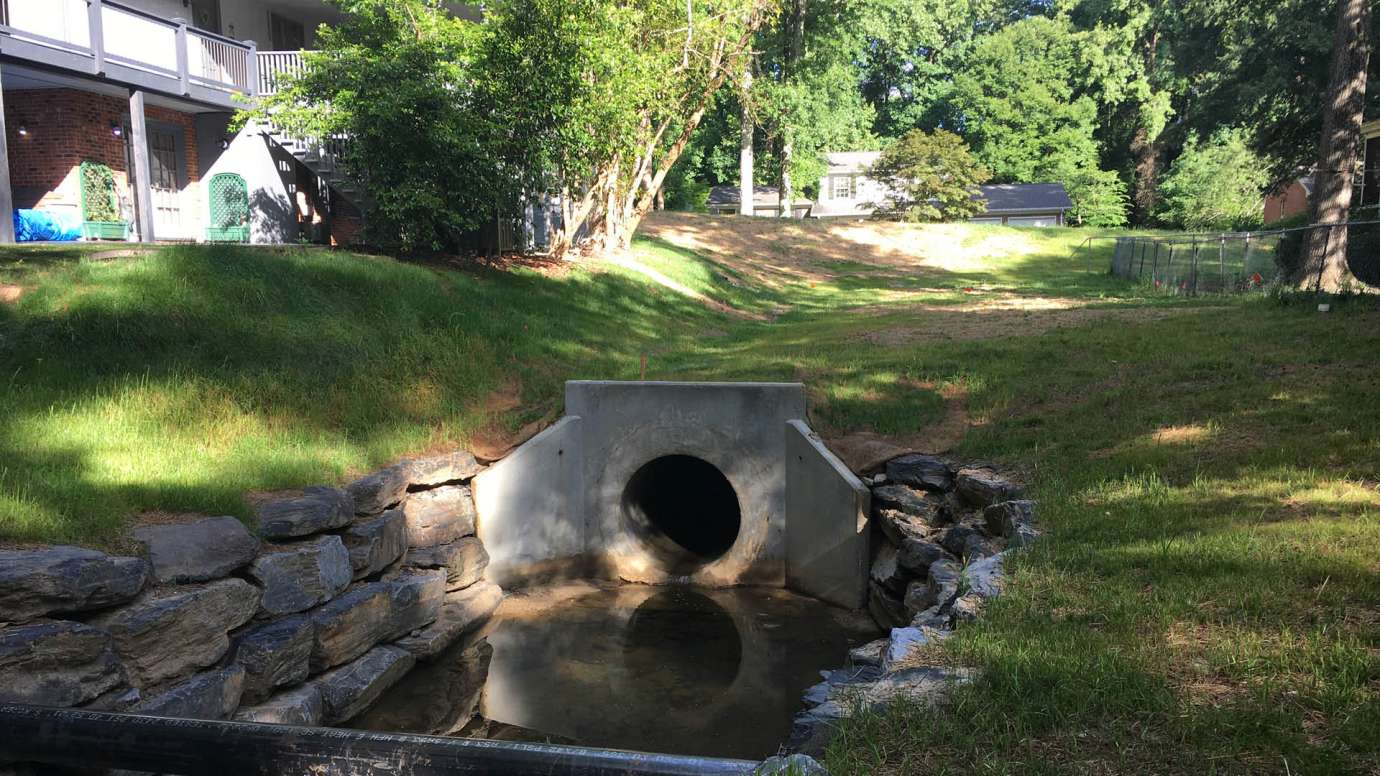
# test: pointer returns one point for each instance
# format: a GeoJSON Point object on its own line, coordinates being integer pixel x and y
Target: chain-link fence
{"type": "Point", "coordinates": [1243, 261]}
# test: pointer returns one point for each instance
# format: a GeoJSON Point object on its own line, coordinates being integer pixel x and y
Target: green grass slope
{"type": "Point", "coordinates": [1207, 599]}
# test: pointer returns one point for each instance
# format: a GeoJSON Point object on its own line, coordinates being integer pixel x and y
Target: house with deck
{"type": "Point", "coordinates": [116, 116]}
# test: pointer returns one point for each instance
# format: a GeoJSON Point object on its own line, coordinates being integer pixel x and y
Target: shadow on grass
{"type": "Point", "coordinates": [181, 380]}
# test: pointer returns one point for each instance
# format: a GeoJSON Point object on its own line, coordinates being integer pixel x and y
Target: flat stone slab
{"type": "Point", "coordinates": [376, 543]}
{"type": "Point", "coordinates": [986, 577]}
{"type": "Point", "coordinates": [415, 600]}
{"type": "Point", "coordinates": [352, 688]}
{"type": "Point", "coordinates": [350, 625]}
{"type": "Point", "coordinates": [299, 576]}
{"type": "Point", "coordinates": [197, 552]}
{"type": "Point", "coordinates": [462, 612]}
{"type": "Point", "coordinates": [375, 492]}
{"type": "Point", "coordinates": [298, 706]}
{"type": "Point", "coordinates": [904, 643]}
{"type": "Point", "coordinates": [170, 632]}
{"type": "Point", "coordinates": [463, 561]}
{"type": "Point", "coordinates": [274, 655]}
{"type": "Point", "coordinates": [435, 470]}
{"type": "Point", "coordinates": [318, 509]}
{"type": "Point", "coordinates": [64, 580]}
{"type": "Point", "coordinates": [906, 500]}
{"type": "Point", "coordinates": [968, 541]}
{"type": "Point", "coordinates": [57, 663]}
{"type": "Point", "coordinates": [920, 471]}
{"type": "Point", "coordinates": [981, 486]}
{"type": "Point", "coordinates": [439, 516]}
{"type": "Point", "coordinates": [209, 695]}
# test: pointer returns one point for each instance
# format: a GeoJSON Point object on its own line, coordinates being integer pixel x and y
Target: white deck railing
{"type": "Point", "coordinates": [124, 43]}
{"type": "Point", "coordinates": [274, 65]}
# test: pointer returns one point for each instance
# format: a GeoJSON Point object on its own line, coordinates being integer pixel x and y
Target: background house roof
{"type": "Point", "coordinates": [765, 196]}
{"type": "Point", "coordinates": [850, 162]}
{"type": "Point", "coordinates": [1022, 197]}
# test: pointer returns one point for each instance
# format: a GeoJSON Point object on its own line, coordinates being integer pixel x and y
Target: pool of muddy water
{"type": "Point", "coordinates": [663, 669]}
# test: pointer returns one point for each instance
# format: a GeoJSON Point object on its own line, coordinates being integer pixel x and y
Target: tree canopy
{"type": "Point", "coordinates": [610, 106]}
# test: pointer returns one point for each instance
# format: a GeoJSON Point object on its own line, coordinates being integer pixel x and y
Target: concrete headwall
{"type": "Point", "coordinates": [560, 506]}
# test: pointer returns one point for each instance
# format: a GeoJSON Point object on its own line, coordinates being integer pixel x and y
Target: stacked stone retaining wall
{"type": "Point", "coordinates": [338, 596]}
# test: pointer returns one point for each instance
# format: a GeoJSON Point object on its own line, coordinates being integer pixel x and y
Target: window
{"type": "Point", "coordinates": [286, 34]}
{"type": "Point", "coordinates": [843, 187]}
{"type": "Point", "coordinates": [1370, 178]}
{"type": "Point", "coordinates": [163, 160]}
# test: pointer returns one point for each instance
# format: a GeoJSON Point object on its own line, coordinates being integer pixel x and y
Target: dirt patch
{"type": "Point", "coordinates": [867, 451]}
{"type": "Point", "coordinates": [10, 293]}
{"type": "Point", "coordinates": [495, 440]}
{"type": "Point", "coordinates": [995, 319]}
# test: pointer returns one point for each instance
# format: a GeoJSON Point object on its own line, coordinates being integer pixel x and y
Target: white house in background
{"type": "Point", "coordinates": [147, 88]}
{"type": "Point", "coordinates": [845, 191]}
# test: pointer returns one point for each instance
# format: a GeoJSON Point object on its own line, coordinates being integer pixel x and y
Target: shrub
{"type": "Point", "coordinates": [99, 201]}
{"type": "Point", "coordinates": [930, 177]}
{"type": "Point", "coordinates": [1217, 185]}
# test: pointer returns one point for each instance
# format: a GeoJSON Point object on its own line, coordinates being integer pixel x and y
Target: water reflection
{"type": "Point", "coordinates": [713, 672]}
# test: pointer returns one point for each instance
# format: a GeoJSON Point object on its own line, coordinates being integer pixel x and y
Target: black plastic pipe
{"type": "Point", "coordinates": [76, 738]}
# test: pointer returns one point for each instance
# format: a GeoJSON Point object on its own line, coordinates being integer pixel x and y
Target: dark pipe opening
{"type": "Point", "coordinates": [685, 507]}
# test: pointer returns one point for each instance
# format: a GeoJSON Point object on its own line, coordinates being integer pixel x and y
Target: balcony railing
{"type": "Point", "coordinates": [274, 65]}
{"type": "Point", "coordinates": [126, 44]}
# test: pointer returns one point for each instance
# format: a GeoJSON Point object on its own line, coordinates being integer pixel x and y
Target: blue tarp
{"type": "Point", "coordinates": [39, 225]}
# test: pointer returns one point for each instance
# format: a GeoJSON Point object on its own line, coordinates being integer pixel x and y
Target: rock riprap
{"type": "Point", "coordinates": [942, 534]}
{"type": "Point", "coordinates": [376, 543]}
{"type": "Point", "coordinates": [65, 580]}
{"type": "Point", "coordinates": [197, 552]}
{"type": "Point", "coordinates": [168, 633]}
{"type": "Point", "coordinates": [298, 576]}
{"type": "Point", "coordinates": [56, 663]}
{"type": "Point", "coordinates": [439, 516]}
{"type": "Point", "coordinates": [318, 509]}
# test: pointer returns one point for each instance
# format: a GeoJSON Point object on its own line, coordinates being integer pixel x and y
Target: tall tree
{"type": "Point", "coordinates": [746, 137]}
{"type": "Point", "coordinates": [1017, 101]}
{"type": "Point", "coordinates": [1340, 146]}
{"type": "Point", "coordinates": [1132, 75]}
{"type": "Point", "coordinates": [790, 67]}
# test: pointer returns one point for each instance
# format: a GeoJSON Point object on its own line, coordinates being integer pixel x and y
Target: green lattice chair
{"type": "Point", "coordinates": [229, 198]}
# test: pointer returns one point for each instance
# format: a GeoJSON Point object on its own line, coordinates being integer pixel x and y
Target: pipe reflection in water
{"type": "Point", "coordinates": [667, 669]}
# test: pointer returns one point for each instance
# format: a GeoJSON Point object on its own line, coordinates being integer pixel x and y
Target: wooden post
{"type": "Point", "coordinates": [139, 146]}
{"type": "Point", "coordinates": [183, 73]}
{"type": "Point", "coordinates": [6, 195]}
{"type": "Point", "coordinates": [95, 23]}
{"type": "Point", "coordinates": [251, 69]}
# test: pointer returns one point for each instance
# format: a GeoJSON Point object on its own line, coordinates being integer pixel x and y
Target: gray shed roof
{"type": "Point", "coordinates": [1025, 197]}
{"type": "Point", "coordinates": [766, 196]}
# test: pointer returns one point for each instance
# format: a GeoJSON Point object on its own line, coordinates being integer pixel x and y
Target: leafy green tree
{"type": "Point", "coordinates": [1018, 102]}
{"type": "Point", "coordinates": [392, 72]}
{"type": "Point", "coordinates": [911, 52]}
{"type": "Point", "coordinates": [1215, 185]}
{"type": "Point", "coordinates": [1099, 197]}
{"type": "Point", "coordinates": [930, 177]}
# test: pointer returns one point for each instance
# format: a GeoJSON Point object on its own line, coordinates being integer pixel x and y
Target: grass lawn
{"type": "Point", "coordinates": [1207, 599]}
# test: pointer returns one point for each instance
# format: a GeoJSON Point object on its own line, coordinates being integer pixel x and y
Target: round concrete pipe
{"type": "Point", "coordinates": [684, 508]}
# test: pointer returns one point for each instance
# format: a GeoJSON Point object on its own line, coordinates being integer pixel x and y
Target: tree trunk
{"type": "Point", "coordinates": [1148, 153]}
{"type": "Point", "coordinates": [794, 49]}
{"type": "Point", "coordinates": [746, 180]}
{"type": "Point", "coordinates": [1325, 268]}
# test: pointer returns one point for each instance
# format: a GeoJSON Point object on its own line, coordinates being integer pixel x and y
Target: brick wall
{"type": "Point", "coordinates": [66, 127]}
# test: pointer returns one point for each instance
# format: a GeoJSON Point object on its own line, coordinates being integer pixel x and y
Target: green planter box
{"type": "Point", "coordinates": [104, 230]}
{"type": "Point", "coordinates": [227, 234]}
